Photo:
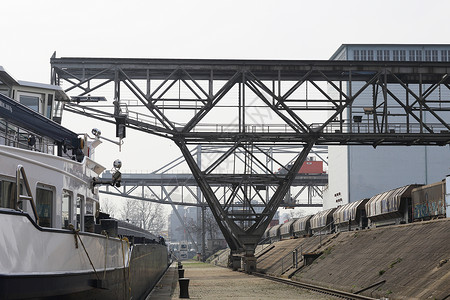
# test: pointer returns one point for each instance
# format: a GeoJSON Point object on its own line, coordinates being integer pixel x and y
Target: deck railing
{"type": "Point", "coordinates": [20, 174]}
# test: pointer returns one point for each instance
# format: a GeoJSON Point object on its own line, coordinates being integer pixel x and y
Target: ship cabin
{"type": "Point", "coordinates": [45, 171]}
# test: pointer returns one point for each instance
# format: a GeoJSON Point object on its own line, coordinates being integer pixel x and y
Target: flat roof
{"type": "Point", "coordinates": [343, 46]}
{"type": "Point", "coordinates": [6, 78]}
{"type": "Point", "coordinates": [39, 85]}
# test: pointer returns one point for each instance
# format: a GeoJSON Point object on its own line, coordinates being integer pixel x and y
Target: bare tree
{"type": "Point", "coordinates": [128, 211]}
{"type": "Point", "coordinates": [211, 227]}
{"type": "Point", "coordinates": [107, 206]}
{"type": "Point", "coordinates": [296, 213]}
{"type": "Point", "coordinates": [192, 227]}
{"type": "Point", "coordinates": [147, 215]}
{"type": "Point", "coordinates": [151, 216]}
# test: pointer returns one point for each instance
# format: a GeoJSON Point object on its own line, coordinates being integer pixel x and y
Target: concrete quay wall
{"type": "Point", "coordinates": [410, 261]}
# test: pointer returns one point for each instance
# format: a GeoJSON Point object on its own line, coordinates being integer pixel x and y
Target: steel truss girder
{"type": "Point", "coordinates": [217, 180]}
{"type": "Point", "coordinates": [349, 81]}
{"type": "Point", "coordinates": [254, 75]}
{"type": "Point", "coordinates": [238, 238]}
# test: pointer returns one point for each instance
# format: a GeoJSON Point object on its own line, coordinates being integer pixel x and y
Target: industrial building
{"type": "Point", "coordinates": [358, 172]}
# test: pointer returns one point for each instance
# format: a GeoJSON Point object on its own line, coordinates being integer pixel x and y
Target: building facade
{"type": "Point", "coordinates": [361, 172]}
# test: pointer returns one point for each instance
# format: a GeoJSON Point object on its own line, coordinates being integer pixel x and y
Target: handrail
{"type": "Point", "coordinates": [19, 197]}
{"type": "Point", "coordinates": [324, 227]}
{"type": "Point", "coordinates": [18, 138]}
{"type": "Point", "coordinates": [294, 253]}
{"type": "Point", "coordinates": [294, 260]}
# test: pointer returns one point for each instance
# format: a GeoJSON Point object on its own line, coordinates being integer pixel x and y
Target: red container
{"type": "Point", "coordinates": [312, 167]}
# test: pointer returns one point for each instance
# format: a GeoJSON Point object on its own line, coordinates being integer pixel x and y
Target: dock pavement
{"type": "Point", "coordinates": [207, 281]}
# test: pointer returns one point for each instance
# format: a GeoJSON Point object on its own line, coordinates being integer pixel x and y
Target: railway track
{"type": "Point", "coordinates": [315, 288]}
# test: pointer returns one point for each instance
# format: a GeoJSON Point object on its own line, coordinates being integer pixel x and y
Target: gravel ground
{"type": "Point", "coordinates": [211, 282]}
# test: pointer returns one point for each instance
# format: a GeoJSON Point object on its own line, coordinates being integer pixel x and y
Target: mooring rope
{"type": "Point", "coordinates": [77, 234]}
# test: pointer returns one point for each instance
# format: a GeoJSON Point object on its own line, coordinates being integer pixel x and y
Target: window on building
{"type": "Point", "coordinates": [427, 55]}
{"type": "Point", "coordinates": [363, 55]}
{"type": "Point", "coordinates": [44, 206]}
{"type": "Point", "coordinates": [380, 55]}
{"type": "Point", "coordinates": [356, 55]}
{"type": "Point", "coordinates": [434, 55]}
{"type": "Point", "coordinates": [412, 55]}
{"type": "Point", "coordinates": [387, 55]}
{"type": "Point", "coordinates": [402, 55]}
{"type": "Point", "coordinates": [370, 55]}
{"type": "Point", "coordinates": [419, 55]}
{"type": "Point", "coordinates": [396, 55]}
{"type": "Point", "coordinates": [444, 55]}
{"type": "Point", "coordinates": [66, 209]}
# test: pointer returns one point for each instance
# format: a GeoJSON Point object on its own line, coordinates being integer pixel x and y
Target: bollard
{"type": "Point", "coordinates": [180, 266]}
{"type": "Point", "coordinates": [184, 287]}
{"type": "Point", "coordinates": [180, 273]}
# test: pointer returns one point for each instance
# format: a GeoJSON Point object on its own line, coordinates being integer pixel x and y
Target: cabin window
{"type": "Point", "coordinates": [32, 101]}
{"type": "Point", "coordinates": [89, 207]}
{"type": "Point", "coordinates": [8, 194]}
{"type": "Point", "coordinates": [80, 212]}
{"type": "Point", "coordinates": [89, 219]}
{"type": "Point", "coordinates": [49, 106]}
{"type": "Point", "coordinates": [66, 209]}
{"type": "Point", "coordinates": [44, 206]}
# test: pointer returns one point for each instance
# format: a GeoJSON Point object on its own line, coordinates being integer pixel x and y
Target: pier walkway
{"type": "Point", "coordinates": [211, 282]}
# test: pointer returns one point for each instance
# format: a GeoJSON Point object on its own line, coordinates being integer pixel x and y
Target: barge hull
{"type": "Point", "coordinates": [148, 264]}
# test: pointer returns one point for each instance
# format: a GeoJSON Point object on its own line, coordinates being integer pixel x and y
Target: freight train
{"type": "Point", "coordinates": [406, 204]}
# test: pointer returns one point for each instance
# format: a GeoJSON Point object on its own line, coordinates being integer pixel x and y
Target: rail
{"type": "Point", "coordinates": [15, 136]}
{"type": "Point", "coordinates": [315, 288]}
{"type": "Point", "coordinates": [365, 124]}
{"type": "Point", "coordinates": [29, 196]}
{"type": "Point", "coordinates": [369, 127]}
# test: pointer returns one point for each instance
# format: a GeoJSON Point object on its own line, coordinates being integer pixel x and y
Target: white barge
{"type": "Point", "coordinates": [53, 240]}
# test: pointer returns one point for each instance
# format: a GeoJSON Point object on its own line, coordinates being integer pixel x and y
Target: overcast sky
{"type": "Point", "coordinates": [32, 30]}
